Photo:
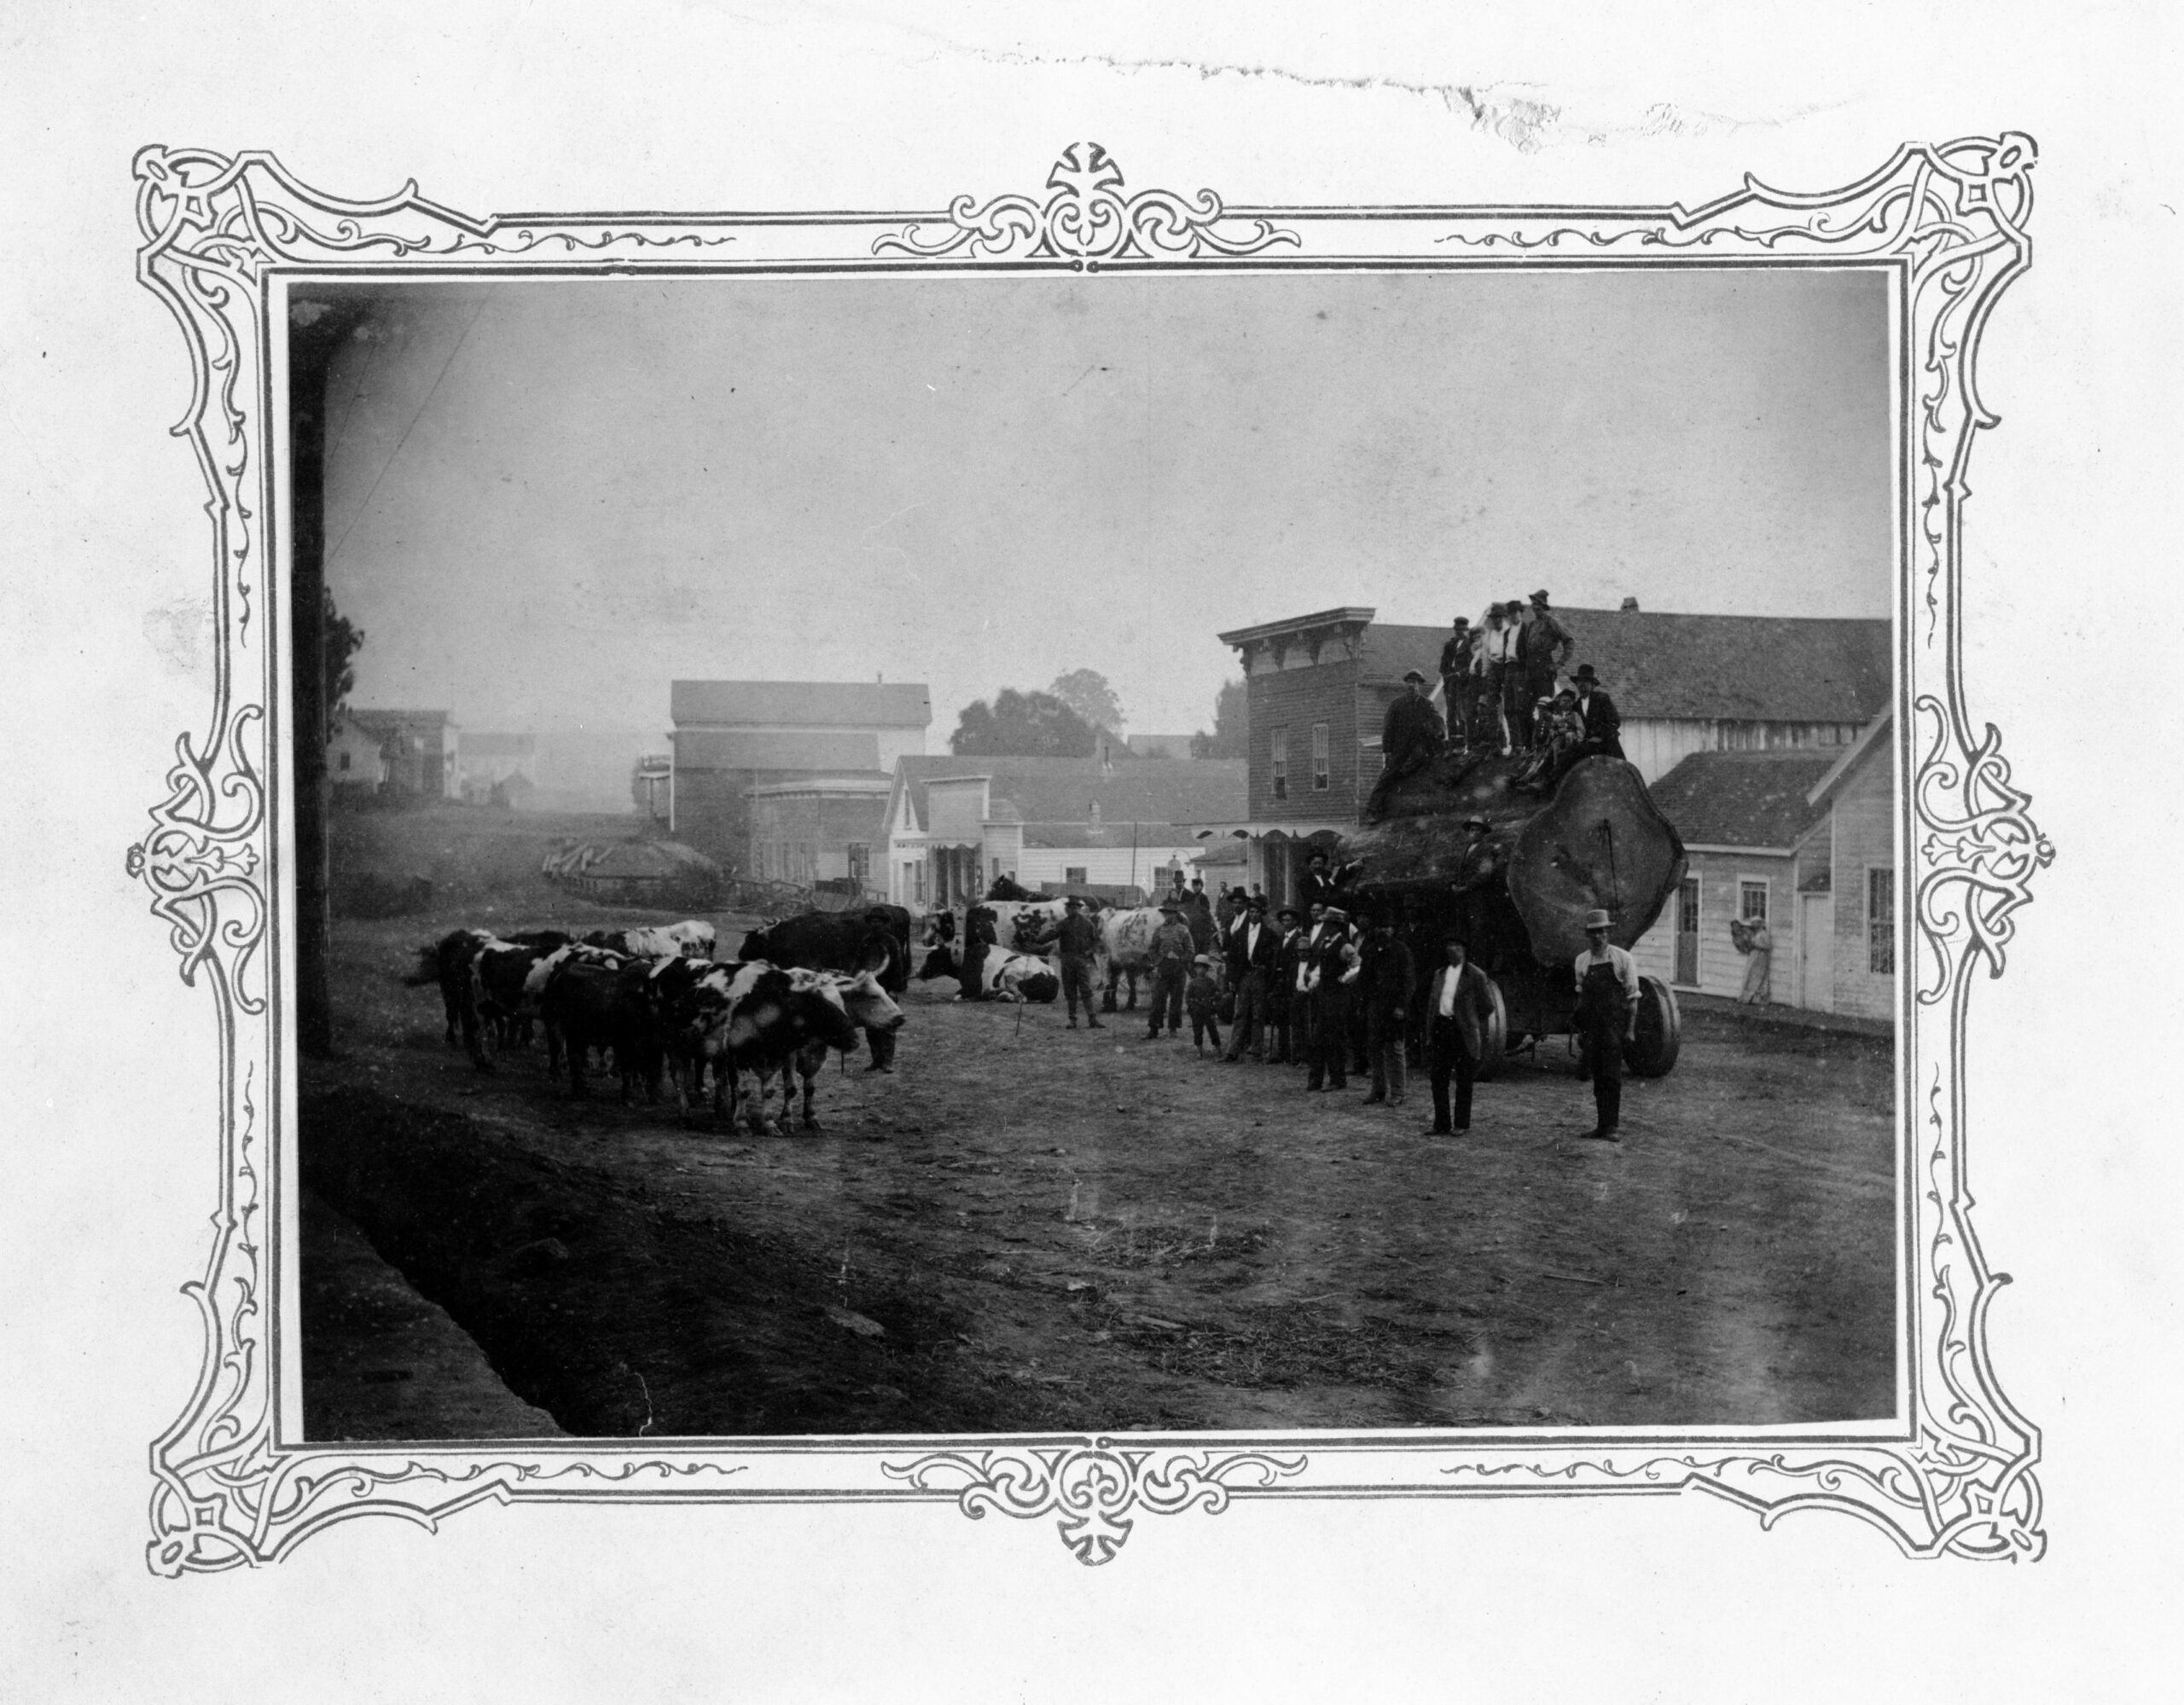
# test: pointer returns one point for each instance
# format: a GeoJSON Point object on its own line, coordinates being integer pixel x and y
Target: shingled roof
{"type": "Point", "coordinates": [1745, 798]}
{"type": "Point", "coordinates": [1778, 669]}
{"type": "Point", "coordinates": [1049, 790]}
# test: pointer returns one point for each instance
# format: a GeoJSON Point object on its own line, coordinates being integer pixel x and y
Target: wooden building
{"type": "Point", "coordinates": [733, 737]}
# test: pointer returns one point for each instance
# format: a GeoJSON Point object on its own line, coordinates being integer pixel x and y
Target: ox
{"type": "Point", "coordinates": [1126, 948]}
{"type": "Point", "coordinates": [500, 974]}
{"type": "Point", "coordinates": [447, 962]}
{"type": "Point", "coordinates": [870, 1007]}
{"type": "Point", "coordinates": [691, 939]}
{"type": "Point", "coordinates": [588, 1003]}
{"type": "Point", "coordinates": [835, 942]}
{"type": "Point", "coordinates": [771, 1014]}
{"type": "Point", "coordinates": [1001, 975]}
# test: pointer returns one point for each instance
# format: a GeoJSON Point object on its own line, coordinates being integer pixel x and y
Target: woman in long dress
{"type": "Point", "coordinates": [1758, 949]}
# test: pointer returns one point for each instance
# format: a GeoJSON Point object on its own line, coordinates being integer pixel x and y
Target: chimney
{"type": "Point", "coordinates": [1631, 604]}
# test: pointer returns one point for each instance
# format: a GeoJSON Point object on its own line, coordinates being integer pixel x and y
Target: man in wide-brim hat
{"type": "Point", "coordinates": [1603, 735]}
{"type": "Point", "coordinates": [1173, 950]}
{"type": "Point", "coordinates": [1333, 969]}
{"type": "Point", "coordinates": [1410, 734]}
{"type": "Point", "coordinates": [1543, 647]}
{"type": "Point", "coordinates": [1456, 674]}
{"type": "Point", "coordinates": [1607, 1018]}
{"type": "Point", "coordinates": [1281, 985]}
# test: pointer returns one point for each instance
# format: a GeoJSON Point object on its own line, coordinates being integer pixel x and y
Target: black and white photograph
{"type": "Point", "coordinates": [1307, 850]}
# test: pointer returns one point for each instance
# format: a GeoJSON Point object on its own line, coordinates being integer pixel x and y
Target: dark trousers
{"type": "Point", "coordinates": [1455, 695]}
{"type": "Point", "coordinates": [1384, 1047]}
{"type": "Point", "coordinates": [1446, 1061]}
{"type": "Point", "coordinates": [1205, 1028]}
{"type": "Point", "coordinates": [1277, 1036]}
{"type": "Point", "coordinates": [1517, 706]}
{"type": "Point", "coordinates": [1330, 1048]}
{"type": "Point", "coordinates": [1487, 715]}
{"type": "Point", "coordinates": [1251, 1015]}
{"type": "Point", "coordinates": [1168, 980]}
{"type": "Point", "coordinates": [1077, 985]}
{"type": "Point", "coordinates": [1600, 1034]}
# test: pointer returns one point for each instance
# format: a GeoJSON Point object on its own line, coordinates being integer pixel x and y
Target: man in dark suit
{"type": "Point", "coordinates": [1410, 734]}
{"type": "Point", "coordinates": [1254, 950]}
{"type": "Point", "coordinates": [1388, 982]}
{"type": "Point", "coordinates": [1318, 886]}
{"type": "Point", "coordinates": [1459, 1019]}
{"type": "Point", "coordinates": [1603, 722]}
{"type": "Point", "coordinates": [1456, 678]}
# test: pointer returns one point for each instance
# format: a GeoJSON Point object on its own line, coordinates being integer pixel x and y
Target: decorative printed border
{"type": "Point", "coordinates": [220, 232]}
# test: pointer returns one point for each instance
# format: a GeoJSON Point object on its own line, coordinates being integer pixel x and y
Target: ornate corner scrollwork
{"type": "Point", "coordinates": [1978, 850]}
{"type": "Point", "coordinates": [1087, 219]}
{"type": "Point", "coordinates": [1095, 1487]}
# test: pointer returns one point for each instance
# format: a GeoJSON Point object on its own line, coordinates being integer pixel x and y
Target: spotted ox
{"type": "Point", "coordinates": [876, 940]}
{"type": "Point", "coordinates": [768, 1014]}
{"type": "Point", "coordinates": [1126, 950]}
{"type": "Point", "coordinates": [499, 971]}
{"type": "Point", "coordinates": [870, 1007]}
{"type": "Point", "coordinates": [1001, 976]}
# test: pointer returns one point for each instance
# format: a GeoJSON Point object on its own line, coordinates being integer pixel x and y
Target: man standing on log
{"type": "Point", "coordinates": [1607, 1018]}
{"type": "Point", "coordinates": [1410, 734]}
{"type": "Point", "coordinates": [1543, 647]}
{"type": "Point", "coordinates": [1456, 678]}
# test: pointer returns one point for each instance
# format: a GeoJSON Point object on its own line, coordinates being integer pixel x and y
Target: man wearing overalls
{"type": "Point", "coordinates": [1607, 1017]}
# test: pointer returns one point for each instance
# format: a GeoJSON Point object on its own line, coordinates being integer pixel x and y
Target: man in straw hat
{"type": "Point", "coordinates": [1607, 1018]}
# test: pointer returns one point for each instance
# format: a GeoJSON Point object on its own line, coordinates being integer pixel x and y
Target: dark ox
{"type": "Point", "coordinates": [877, 941]}
{"type": "Point", "coordinates": [588, 1004]}
{"type": "Point", "coordinates": [447, 963]}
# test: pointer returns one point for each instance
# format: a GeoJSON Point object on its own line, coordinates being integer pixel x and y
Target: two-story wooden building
{"type": "Point", "coordinates": [732, 738]}
{"type": "Point", "coordinates": [1318, 686]}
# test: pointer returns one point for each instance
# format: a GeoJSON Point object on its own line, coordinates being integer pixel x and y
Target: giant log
{"type": "Point", "coordinates": [1520, 891]}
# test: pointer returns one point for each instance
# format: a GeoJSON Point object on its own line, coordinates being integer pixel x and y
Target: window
{"type": "Point", "coordinates": [917, 881]}
{"type": "Point", "coordinates": [1319, 757]}
{"type": "Point", "coordinates": [1752, 901]}
{"type": "Point", "coordinates": [860, 857]}
{"type": "Point", "coordinates": [1281, 763]}
{"type": "Point", "coordinates": [1073, 875]}
{"type": "Point", "coordinates": [345, 761]}
{"type": "Point", "coordinates": [1880, 922]}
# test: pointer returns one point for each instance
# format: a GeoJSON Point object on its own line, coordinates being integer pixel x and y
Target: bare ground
{"type": "Point", "coordinates": [1031, 1229]}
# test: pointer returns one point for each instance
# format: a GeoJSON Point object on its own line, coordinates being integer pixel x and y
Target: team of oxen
{"type": "Point", "coordinates": [656, 1003]}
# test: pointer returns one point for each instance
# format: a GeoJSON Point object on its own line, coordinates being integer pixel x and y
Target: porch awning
{"type": "Point", "coordinates": [1288, 831]}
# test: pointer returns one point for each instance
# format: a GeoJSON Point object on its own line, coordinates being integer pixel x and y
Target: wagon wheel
{"type": "Point", "coordinates": [1652, 1052]}
{"type": "Point", "coordinates": [1495, 1043]}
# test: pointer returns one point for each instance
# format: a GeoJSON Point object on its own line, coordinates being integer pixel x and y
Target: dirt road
{"type": "Point", "coordinates": [1031, 1229]}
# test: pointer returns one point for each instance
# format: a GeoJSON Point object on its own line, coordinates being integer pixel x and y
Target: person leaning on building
{"type": "Point", "coordinates": [1080, 940]}
{"type": "Point", "coordinates": [1607, 1018]}
{"type": "Point", "coordinates": [1254, 949]}
{"type": "Point", "coordinates": [1172, 953]}
{"type": "Point", "coordinates": [1385, 979]}
{"type": "Point", "coordinates": [1332, 972]}
{"type": "Point", "coordinates": [1458, 1020]}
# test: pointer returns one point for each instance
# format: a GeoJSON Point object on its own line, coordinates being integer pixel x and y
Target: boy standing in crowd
{"type": "Point", "coordinates": [1201, 997]}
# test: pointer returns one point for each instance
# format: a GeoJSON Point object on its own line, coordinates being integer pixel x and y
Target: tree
{"type": "Point", "coordinates": [1086, 691]}
{"type": "Point", "coordinates": [1231, 735]}
{"type": "Point", "coordinates": [343, 640]}
{"type": "Point", "coordinates": [1022, 725]}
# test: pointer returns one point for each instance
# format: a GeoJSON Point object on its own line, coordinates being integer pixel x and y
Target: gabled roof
{"type": "Point", "coordinates": [801, 704]}
{"type": "Point", "coordinates": [1876, 734]}
{"type": "Point", "coordinates": [1743, 798]}
{"type": "Point", "coordinates": [1062, 790]}
{"type": "Point", "coordinates": [1785, 669]}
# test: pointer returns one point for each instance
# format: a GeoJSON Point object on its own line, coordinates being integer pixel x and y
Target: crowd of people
{"type": "Point", "coordinates": [1318, 987]}
{"type": "Point", "coordinates": [1501, 692]}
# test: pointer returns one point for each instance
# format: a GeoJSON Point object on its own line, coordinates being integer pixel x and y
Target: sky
{"type": "Point", "coordinates": [547, 499]}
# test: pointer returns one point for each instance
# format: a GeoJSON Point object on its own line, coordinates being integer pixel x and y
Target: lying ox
{"type": "Point", "coordinates": [1001, 976]}
{"type": "Point", "coordinates": [691, 939]}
